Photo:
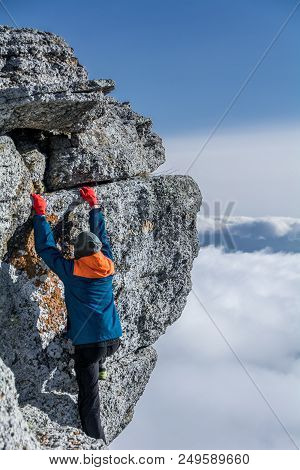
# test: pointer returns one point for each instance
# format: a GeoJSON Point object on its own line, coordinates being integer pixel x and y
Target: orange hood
{"type": "Point", "coordinates": [94, 266]}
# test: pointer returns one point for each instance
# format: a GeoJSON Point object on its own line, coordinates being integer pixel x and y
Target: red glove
{"type": "Point", "coordinates": [89, 195]}
{"type": "Point", "coordinates": [39, 204]}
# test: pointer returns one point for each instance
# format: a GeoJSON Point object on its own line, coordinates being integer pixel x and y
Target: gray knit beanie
{"type": "Point", "coordinates": [86, 243]}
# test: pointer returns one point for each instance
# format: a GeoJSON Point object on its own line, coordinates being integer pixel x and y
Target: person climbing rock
{"type": "Point", "coordinates": [93, 321]}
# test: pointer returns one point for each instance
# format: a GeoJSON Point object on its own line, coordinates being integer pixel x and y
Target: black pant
{"type": "Point", "coordinates": [87, 362]}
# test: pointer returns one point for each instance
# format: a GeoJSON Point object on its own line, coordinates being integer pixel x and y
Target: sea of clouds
{"type": "Point", "coordinates": [248, 234]}
{"type": "Point", "coordinates": [228, 374]}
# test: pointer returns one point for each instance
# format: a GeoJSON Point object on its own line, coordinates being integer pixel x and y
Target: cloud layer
{"type": "Point", "coordinates": [273, 234]}
{"type": "Point", "coordinates": [199, 396]}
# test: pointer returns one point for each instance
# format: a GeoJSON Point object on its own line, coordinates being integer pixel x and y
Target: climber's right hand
{"type": "Point", "coordinates": [38, 204]}
{"type": "Point", "coordinates": [89, 195]}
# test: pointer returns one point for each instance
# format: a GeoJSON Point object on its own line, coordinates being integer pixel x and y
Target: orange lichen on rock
{"type": "Point", "coordinates": [53, 318]}
{"type": "Point", "coordinates": [52, 218]}
{"type": "Point", "coordinates": [26, 258]}
{"type": "Point", "coordinates": [49, 293]}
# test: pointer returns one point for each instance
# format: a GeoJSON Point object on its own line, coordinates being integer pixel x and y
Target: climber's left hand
{"type": "Point", "coordinates": [88, 194]}
{"type": "Point", "coordinates": [38, 204]}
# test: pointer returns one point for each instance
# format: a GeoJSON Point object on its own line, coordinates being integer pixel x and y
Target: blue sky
{"type": "Point", "coordinates": [181, 62]}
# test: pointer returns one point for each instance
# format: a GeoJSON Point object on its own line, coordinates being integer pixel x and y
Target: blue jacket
{"type": "Point", "coordinates": [92, 314]}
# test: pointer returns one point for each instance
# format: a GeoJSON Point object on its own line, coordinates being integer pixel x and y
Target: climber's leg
{"type": "Point", "coordinates": [102, 369]}
{"type": "Point", "coordinates": [87, 370]}
{"type": "Point", "coordinates": [111, 349]}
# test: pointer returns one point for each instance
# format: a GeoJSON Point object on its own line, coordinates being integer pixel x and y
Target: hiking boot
{"type": "Point", "coordinates": [103, 374]}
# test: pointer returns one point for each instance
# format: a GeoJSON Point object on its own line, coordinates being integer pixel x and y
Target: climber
{"type": "Point", "coordinates": [93, 321]}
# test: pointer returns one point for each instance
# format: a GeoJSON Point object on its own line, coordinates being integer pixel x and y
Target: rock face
{"type": "Point", "coordinates": [14, 431]}
{"type": "Point", "coordinates": [151, 222]}
{"type": "Point", "coordinates": [16, 185]}
{"type": "Point", "coordinates": [117, 145]}
{"type": "Point", "coordinates": [42, 85]}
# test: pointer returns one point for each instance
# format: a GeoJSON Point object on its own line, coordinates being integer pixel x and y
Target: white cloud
{"type": "Point", "coordinates": [199, 397]}
{"type": "Point", "coordinates": [258, 168]}
{"type": "Point", "coordinates": [251, 234]}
